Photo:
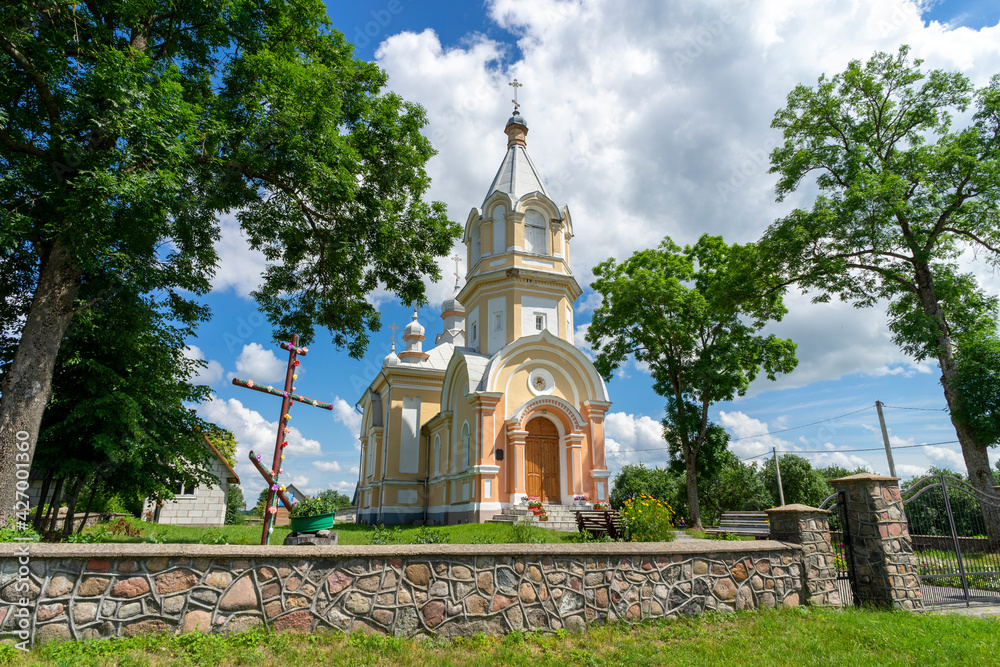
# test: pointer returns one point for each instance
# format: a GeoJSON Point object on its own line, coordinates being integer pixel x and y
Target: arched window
{"type": "Point", "coordinates": [499, 229]}
{"type": "Point", "coordinates": [535, 233]}
{"type": "Point", "coordinates": [475, 243]}
{"type": "Point", "coordinates": [465, 446]}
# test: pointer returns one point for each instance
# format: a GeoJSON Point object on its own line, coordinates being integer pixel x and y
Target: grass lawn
{"type": "Point", "coordinates": [348, 533]}
{"type": "Point", "coordinates": [799, 636]}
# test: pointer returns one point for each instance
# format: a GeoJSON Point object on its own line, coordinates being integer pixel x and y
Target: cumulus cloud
{"type": "Point", "coordinates": [208, 375]}
{"type": "Point", "coordinates": [906, 470]}
{"type": "Point", "coordinates": [943, 457]}
{"type": "Point", "coordinates": [240, 267]}
{"type": "Point", "coordinates": [345, 413]}
{"type": "Point", "coordinates": [632, 438]}
{"type": "Point", "coordinates": [260, 364]}
{"type": "Point", "coordinates": [657, 121]}
{"type": "Point", "coordinates": [326, 466]}
{"type": "Point", "coordinates": [252, 430]}
{"type": "Point", "coordinates": [751, 437]}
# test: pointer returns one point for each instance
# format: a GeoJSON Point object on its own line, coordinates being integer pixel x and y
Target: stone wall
{"type": "Point", "coordinates": [113, 590]}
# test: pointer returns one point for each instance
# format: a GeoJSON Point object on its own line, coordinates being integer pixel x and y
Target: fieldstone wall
{"type": "Point", "coordinates": [884, 564]}
{"type": "Point", "coordinates": [58, 592]}
{"type": "Point", "coordinates": [809, 527]}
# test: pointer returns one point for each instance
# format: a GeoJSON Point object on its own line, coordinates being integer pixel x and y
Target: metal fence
{"type": "Point", "coordinates": [840, 538]}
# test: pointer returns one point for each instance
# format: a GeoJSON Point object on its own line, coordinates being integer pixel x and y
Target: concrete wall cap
{"type": "Point", "coordinates": [864, 477]}
{"type": "Point", "coordinates": [796, 508]}
{"type": "Point", "coordinates": [125, 550]}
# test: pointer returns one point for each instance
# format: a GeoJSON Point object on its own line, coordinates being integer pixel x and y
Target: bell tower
{"type": "Point", "coordinates": [518, 282]}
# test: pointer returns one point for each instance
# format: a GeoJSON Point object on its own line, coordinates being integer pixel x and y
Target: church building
{"type": "Point", "coordinates": [504, 405]}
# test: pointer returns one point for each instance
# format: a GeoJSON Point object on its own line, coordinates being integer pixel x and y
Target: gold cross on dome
{"type": "Point", "coordinates": [515, 85]}
{"type": "Point", "coordinates": [394, 327]}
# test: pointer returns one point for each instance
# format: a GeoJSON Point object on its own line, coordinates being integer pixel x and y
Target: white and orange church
{"type": "Point", "coordinates": [504, 405]}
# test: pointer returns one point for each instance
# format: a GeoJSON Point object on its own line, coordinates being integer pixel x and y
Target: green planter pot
{"type": "Point", "coordinates": [312, 524]}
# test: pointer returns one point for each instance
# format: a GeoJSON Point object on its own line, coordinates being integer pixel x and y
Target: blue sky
{"type": "Point", "coordinates": [647, 122]}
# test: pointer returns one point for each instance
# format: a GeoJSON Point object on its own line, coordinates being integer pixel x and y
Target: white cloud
{"type": "Point", "coordinates": [656, 121]}
{"type": "Point", "coordinates": [326, 466]}
{"type": "Point", "coordinates": [751, 437]}
{"type": "Point", "coordinates": [632, 438]}
{"type": "Point", "coordinates": [354, 470]}
{"type": "Point", "coordinates": [345, 413]}
{"type": "Point", "coordinates": [906, 470]}
{"type": "Point", "coordinates": [260, 365]}
{"type": "Point", "coordinates": [211, 373]}
{"type": "Point", "coordinates": [240, 267]}
{"type": "Point", "coordinates": [943, 457]}
{"type": "Point", "coordinates": [252, 431]}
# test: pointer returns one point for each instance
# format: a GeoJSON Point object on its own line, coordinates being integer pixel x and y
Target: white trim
{"type": "Point", "coordinates": [600, 474]}
{"type": "Point", "coordinates": [484, 470]}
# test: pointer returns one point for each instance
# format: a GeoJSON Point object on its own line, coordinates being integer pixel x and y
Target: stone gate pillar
{"type": "Point", "coordinates": [884, 564]}
{"type": "Point", "coordinates": [810, 528]}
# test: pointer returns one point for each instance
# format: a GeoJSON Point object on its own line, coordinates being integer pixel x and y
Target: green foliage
{"type": "Point", "coordinates": [11, 532]}
{"type": "Point", "coordinates": [428, 535]}
{"type": "Point", "coordinates": [312, 507]}
{"type": "Point", "coordinates": [693, 315]}
{"type": "Point", "coordinates": [224, 441]}
{"type": "Point", "coordinates": [634, 480]}
{"type": "Point", "coordinates": [335, 499]}
{"type": "Point", "coordinates": [901, 195]}
{"type": "Point", "coordinates": [736, 487]}
{"type": "Point", "coordinates": [801, 482]}
{"type": "Point", "coordinates": [382, 534]}
{"type": "Point", "coordinates": [234, 506]}
{"type": "Point", "coordinates": [977, 381]}
{"type": "Point", "coordinates": [646, 519]}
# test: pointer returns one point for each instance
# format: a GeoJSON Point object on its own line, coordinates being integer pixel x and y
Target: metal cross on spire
{"type": "Point", "coordinates": [457, 261]}
{"type": "Point", "coordinates": [515, 85]}
{"type": "Point", "coordinates": [394, 327]}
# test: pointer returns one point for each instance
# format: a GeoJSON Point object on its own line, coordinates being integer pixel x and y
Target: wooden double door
{"type": "Point", "coordinates": [541, 460]}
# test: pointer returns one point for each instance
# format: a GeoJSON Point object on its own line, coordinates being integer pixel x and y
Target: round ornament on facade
{"type": "Point", "coordinates": [541, 382]}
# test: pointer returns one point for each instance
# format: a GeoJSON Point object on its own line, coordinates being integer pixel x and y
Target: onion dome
{"type": "Point", "coordinates": [391, 359]}
{"type": "Point", "coordinates": [414, 328]}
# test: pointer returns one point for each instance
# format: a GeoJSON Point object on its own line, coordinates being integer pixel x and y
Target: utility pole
{"type": "Point", "coordinates": [777, 469]}
{"type": "Point", "coordinates": [885, 439]}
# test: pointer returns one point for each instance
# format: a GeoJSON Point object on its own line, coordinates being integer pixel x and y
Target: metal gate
{"type": "Point", "coordinates": [957, 562]}
{"type": "Point", "coordinates": [840, 537]}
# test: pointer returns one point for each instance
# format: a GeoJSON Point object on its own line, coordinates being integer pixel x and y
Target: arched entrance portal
{"type": "Point", "coordinates": [541, 460]}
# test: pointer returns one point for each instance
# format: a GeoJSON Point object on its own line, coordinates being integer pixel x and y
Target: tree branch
{"type": "Point", "coordinates": [44, 93]}
{"type": "Point", "coordinates": [28, 149]}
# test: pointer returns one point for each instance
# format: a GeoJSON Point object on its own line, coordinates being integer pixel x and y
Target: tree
{"type": "Point", "coordinates": [734, 487]}
{"type": "Point", "coordinates": [224, 441]}
{"type": "Point", "coordinates": [119, 419]}
{"type": "Point", "coordinates": [901, 195]}
{"type": "Point", "coordinates": [801, 483]}
{"type": "Point", "coordinates": [634, 480]}
{"type": "Point", "coordinates": [693, 316]}
{"type": "Point", "coordinates": [234, 505]}
{"type": "Point", "coordinates": [128, 126]}
{"type": "Point", "coordinates": [335, 499]}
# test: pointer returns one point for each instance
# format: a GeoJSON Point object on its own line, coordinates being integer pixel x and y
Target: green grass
{"type": "Point", "coordinates": [348, 533]}
{"type": "Point", "coordinates": [797, 637]}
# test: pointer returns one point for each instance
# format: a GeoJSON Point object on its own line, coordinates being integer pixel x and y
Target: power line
{"type": "Point", "coordinates": [898, 407]}
{"type": "Point", "coordinates": [795, 428]}
{"type": "Point", "coordinates": [810, 451]}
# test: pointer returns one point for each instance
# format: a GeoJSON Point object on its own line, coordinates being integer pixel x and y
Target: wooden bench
{"type": "Point", "coordinates": [752, 524]}
{"type": "Point", "coordinates": [600, 523]}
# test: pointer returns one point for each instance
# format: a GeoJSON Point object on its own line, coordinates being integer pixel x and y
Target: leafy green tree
{"type": "Point", "coordinates": [128, 126]}
{"type": "Point", "coordinates": [692, 316]}
{"type": "Point", "coordinates": [634, 480]}
{"type": "Point", "coordinates": [120, 418]}
{"type": "Point", "coordinates": [977, 384]}
{"type": "Point", "coordinates": [234, 505]}
{"type": "Point", "coordinates": [261, 505]}
{"type": "Point", "coordinates": [334, 499]}
{"type": "Point", "coordinates": [801, 482]}
{"type": "Point", "coordinates": [733, 487]}
{"type": "Point", "coordinates": [224, 441]}
{"type": "Point", "coordinates": [901, 195]}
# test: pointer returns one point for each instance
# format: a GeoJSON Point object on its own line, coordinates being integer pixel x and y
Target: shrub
{"type": "Point", "coordinates": [646, 519]}
{"type": "Point", "coordinates": [383, 535]}
{"type": "Point", "coordinates": [11, 532]}
{"type": "Point", "coordinates": [312, 507]}
{"type": "Point", "coordinates": [428, 535]}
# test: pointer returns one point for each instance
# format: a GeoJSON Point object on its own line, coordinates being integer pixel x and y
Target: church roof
{"type": "Point", "coordinates": [517, 175]}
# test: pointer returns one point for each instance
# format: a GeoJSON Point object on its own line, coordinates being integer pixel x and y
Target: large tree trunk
{"type": "Point", "coordinates": [27, 385]}
{"type": "Point", "coordinates": [691, 467]}
{"type": "Point", "coordinates": [977, 461]}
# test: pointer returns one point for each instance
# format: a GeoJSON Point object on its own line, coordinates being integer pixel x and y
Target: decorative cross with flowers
{"type": "Point", "coordinates": [271, 477]}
